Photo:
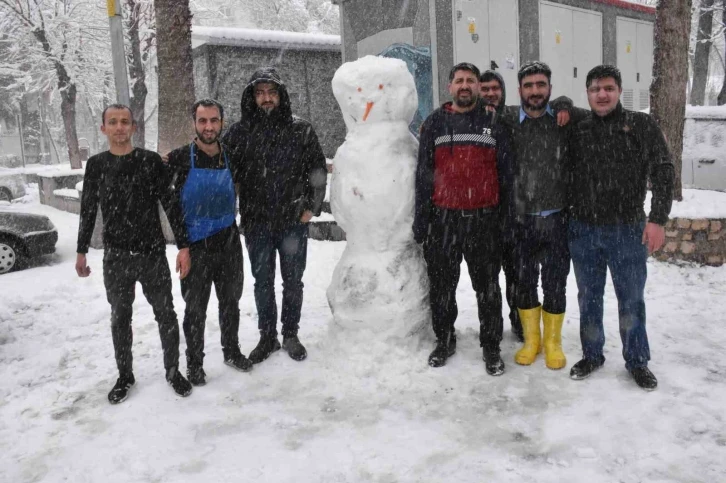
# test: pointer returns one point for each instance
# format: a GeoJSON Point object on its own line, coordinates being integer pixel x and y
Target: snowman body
{"type": "Point", "coordinates": [380, 283]}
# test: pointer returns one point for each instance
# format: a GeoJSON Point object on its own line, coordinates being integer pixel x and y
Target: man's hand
{"type": "Point", "coordinates": [165, 157]}
{"type": "Point", "coordinates": [183, 262]}
{"type": "Point", "coordinates": [653, 236]}
{"type": "Point", "coordinates": [82, 268]}
{"type": "Point", "coordinates": [306, 216]}
{"type": "Point", "coordinates": [563, 118]}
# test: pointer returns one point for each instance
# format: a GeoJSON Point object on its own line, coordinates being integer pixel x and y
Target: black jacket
{"type": "Point", "coordinates": [129, 189]}
{"type": "Point", "coordinates": [443, 123]}
{"type": "Point", "coordinates": [279, 163]}
{"type": "Point", "coordinates": [612, 158]}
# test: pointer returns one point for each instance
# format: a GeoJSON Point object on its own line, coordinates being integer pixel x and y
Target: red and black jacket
{"type": "Point", "coordinates": [462, 164]}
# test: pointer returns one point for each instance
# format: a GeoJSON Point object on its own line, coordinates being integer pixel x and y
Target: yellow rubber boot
{"type": "Point", "coordinates": [554, 357]}
{"type": "Point", "coordinates": [532, 336]}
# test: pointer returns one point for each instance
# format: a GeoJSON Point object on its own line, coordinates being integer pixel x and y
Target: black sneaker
{"type": "Point", "coordinates": [584, 368]}
{"type": "Point", "coordinates": [294, 348]}
{"type": "Point", "coordinates": [267, 345]}
{"type": "Point", "coordinates": [644, 378]}
{"type": "Point", "coordinates": [493, 362]}
{"type": "Point", "coordinates": [238, 361]}
{"type": "Point", "coordinates": [445, 348]}
{"type": "Point", "coordinates": [177, 382]}
{"type": "Point", "coordinates": [196, 375]}
{"type": "Point", "coordinates": [120, 390]}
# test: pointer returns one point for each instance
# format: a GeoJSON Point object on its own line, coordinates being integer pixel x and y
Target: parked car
{"type": "Point", "coordinates": [704, 148]}
{"type": "Point", "coordinates": [22, 237]}
{"type": "Point", "coordinates": [12, 185]}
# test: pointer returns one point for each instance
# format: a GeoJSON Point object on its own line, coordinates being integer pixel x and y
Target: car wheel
{"type": "Point", "coordinates": [5, 195]}
{"type": "Point", "coordinates": [11, 256]}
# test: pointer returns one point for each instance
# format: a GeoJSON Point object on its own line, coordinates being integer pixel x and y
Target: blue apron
{"type": "Point", "coordinates": [207, 199]}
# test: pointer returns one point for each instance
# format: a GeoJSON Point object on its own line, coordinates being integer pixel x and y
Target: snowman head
{"type": "Point", "coordinates": [375, 89]}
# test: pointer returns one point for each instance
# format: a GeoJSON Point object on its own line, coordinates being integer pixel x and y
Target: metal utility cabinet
{"type": "Point", "coordinates": [572, 36]}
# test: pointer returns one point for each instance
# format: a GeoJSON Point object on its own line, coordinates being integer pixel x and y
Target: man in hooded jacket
{"type": "Point", "coordinates": [494, 92]}
{"type": "Point", "coordinates": [281, 174]}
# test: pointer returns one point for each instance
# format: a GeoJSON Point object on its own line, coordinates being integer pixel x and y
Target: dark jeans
{"type": "Point", "coordinates": [510, 280]}
{"type": "Point", "coordinates": [292, 245]}
{"type": "Point", "coordinates": [542, 241]}
{"type": "Point", "coordinates": [224, 269]}
{"type": "Point", "coordinates": [476, 238]}
{"type": "Point", "coordinates": [594, 249]}
{"type": "Point", "coordinates": [121, 271]}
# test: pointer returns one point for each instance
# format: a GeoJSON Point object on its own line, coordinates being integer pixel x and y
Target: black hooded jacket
{"type": "Point", "coordinates": [279, 163]}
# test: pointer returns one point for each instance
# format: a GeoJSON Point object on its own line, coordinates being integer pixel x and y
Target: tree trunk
{"type": "Point", "coordinates": [176, 75]}
{"type": "Point", "coordinates": [670, 77]}
{"type": "Point", "coordinates": [722, 95]}
{"type": "Point", "coordinates": [703, 52]}
{"type": "Point", "coordinates": [137, 74]}
{"type": "Point", "coordinates": [68, 101]}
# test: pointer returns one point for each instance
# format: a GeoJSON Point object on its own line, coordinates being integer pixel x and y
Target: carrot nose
{"type": "Point", "coordinates": [369, 106]}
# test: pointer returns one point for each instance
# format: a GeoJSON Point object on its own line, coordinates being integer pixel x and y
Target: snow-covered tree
{"type": "Point", "coordinates": [58, 46]}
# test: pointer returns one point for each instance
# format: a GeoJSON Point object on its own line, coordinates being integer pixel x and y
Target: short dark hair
{"type": "Point", "coordinates": [464, 66]}
{"type": "Point", "coordinates": [117, 106]}
{"type": "Point", "coordinates": [602, 72]}
{"type": "Point", "coordinates": [207, 103]}
{"type": "Point", "coordinates": [533, 68]}
{"type": "Point", "coordinates": [489, 76]}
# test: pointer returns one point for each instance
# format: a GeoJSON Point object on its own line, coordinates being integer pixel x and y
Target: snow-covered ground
{"type": "Point", "coordinates": [357, 410]}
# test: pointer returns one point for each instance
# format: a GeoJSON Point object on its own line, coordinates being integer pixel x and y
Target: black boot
{"type": "Point", "coordinates": [177, 382]}
{"type": "Point", "coordinates": [445, 348]}
{"type": "Point", "coordinates": [584, 368]}
{"type": "Point", "coordinates": [493, 361]}
{"type": "Point", "coordinates": [294, 348]}
{"type": "Point", "coordinates": [267, 345]}
{"type": "Point", "coordinates": [238, 361]}
{"type": "Point", "coordinates": [196, 375]}
{"type": "Point", "coordinates": [644, 378]}
{"type": "Point", "coordinates": [120, 390]}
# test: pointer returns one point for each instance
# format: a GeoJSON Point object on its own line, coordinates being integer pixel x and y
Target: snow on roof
{"type": "Point", "coordinates": [629, 5]}
{"type": "Point", "coordinates": [275, 39]}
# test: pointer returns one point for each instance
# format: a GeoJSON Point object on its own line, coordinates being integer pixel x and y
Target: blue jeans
{"type": "Point", "coordinates": [594, 249]}
{"type": "Point", "coordinates": [292, 245]}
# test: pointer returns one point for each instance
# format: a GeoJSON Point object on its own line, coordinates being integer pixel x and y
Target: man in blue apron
{"type": "Point", "coordinates": [203, 183]}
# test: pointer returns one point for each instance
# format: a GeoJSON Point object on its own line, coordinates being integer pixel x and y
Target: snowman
{"type": "Point", "coordinates": [380, 284]}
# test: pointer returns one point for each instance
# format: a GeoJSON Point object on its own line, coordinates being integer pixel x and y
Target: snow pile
{"type": "Point", "coordinates": [696, 204]}
{"type": "Point", "coordinates": [705, 112]}
{"type": "Point", "coordinates": [380, 284]}
{"type": "Point", "coordinates": [67, 193]}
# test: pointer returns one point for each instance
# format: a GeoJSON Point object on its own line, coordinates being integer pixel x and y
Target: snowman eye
{"type": "Point", "coordinates": [360, 89]}
{"type": "Point", "coordinates": [380, 86]}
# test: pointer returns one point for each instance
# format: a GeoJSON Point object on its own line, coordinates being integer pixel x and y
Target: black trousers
{"type": "Point", "coordinates": [510, 280]}
{"type": "Point", "coordinates": [223, 268]}
{"type": "Point", "coordinates": [121, 271]}
{"type": "Point", "coordinates": [475, 236]}
{"type": "Point", "coordinates": [542, 241]}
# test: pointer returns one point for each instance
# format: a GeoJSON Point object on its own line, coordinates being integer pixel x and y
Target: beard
{"type": "Point", "coordinates": [537, 104]}
{"type": "Point", "coordinates": [208, 138]}
{"type": "Point", "coordinates": [465, 102]}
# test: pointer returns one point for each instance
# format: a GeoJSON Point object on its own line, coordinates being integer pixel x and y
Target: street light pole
{"type": "Point", "coordinates": [115, 20]}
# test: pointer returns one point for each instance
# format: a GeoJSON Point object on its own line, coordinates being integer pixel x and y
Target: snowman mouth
{"type": "Point", "coordinates": [369, 106]}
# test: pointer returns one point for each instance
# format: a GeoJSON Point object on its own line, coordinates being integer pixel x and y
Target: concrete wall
{"type": "Point", "coordinates": [222, 72]}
